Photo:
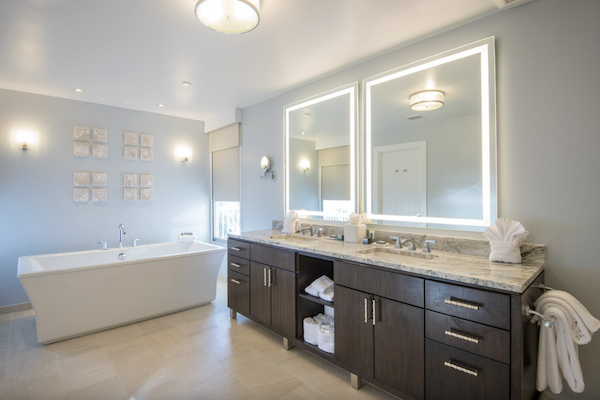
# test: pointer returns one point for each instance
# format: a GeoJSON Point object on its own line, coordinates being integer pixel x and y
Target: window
{"type": "Point", "coordinates": [225, 157]}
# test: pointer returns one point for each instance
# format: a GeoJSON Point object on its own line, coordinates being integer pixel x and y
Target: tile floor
{"type": "Point", "coordinates": [195, 354]}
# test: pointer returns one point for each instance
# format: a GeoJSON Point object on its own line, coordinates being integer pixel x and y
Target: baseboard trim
{"type": "Point", "coordinates": [15, 308]}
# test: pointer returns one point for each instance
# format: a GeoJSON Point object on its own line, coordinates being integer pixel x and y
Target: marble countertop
{"type": "Point", "coordinates": [457, 267]}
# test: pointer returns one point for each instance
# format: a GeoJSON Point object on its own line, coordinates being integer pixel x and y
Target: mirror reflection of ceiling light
{"type": "Point", "coordinates": [229, 16]}
{"type": "Point", "coordinates": [427, 100]}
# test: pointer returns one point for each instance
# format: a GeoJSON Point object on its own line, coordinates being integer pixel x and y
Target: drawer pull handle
{"type": "Point", "coordinates": [269, 278]}
{"type": "Point", "coordinates": [462, 336]}
{"type": "Point", "coordinates": [235, 265]}
{"type": "Point", "coordinates": [264, 277]}
{"type": "Point", "coordinates": [236, 281]}
{"type": "Point", "coordinates": [469, 371]}
{"type": "Point", "coordinates": [236, 248]}
{"type": "Point", "coordinates": [374, 312]}
{"type": "Point", "coordinates": [366, 310]}
{"type": "Point", "coordinates": [461, 304]}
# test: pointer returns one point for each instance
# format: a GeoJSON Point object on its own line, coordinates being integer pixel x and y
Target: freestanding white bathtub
{"type": "Point", "coordinates": [88, 291]}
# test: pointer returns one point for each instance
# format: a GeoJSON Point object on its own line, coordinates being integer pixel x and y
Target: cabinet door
{"type": "Point", "coordinates": [283, 301]}
{"type": "Point", "coordinates": [260, 293]}
{"type": "Point", "coordinates": [238, 292]}
{"type": "Point", "coordinates": [354, 336]}
{"type": "Point", "coordinates": [399, 346]}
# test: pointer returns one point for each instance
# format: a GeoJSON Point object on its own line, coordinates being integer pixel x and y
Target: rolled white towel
{"type": "Point", "coordinates": [327, 295]}
{"type": "Point", "coordinates": [310, 290]}
{"type": "Point", "coordinates": [327, 338]}
{"type": "Point", "coordinates": [321, 284]}
{"type": "Point", "coordinates": [323, 319]}
{"type": "Point", "coordinates": [311, 330]}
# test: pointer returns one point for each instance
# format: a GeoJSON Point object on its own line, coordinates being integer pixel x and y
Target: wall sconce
{"type": "Point", "coordinates": [305, 165]}
{"type": "Point", "coordinates": [265, 165]}
{"type": "Point", "coordinates": [183, 153]}
{"type": "Point", "coordinates": [22, 139]}
{"type": "Point", "coordinates": [427, 100]}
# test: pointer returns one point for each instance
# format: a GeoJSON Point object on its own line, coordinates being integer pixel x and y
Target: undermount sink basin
{"type": "Point", "coordinates": [392, 252]}
{"type": "Point", "coordinates": [296, 237]}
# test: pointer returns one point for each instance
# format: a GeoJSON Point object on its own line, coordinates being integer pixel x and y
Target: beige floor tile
{"type": "Point", "coordinates": [268, 343]}
{"type": "Point", "coordinates": [141, 370]}
{"type": "Point", "coordinates": [110, 389]}
{"type": "Point", "coordinates": [213, 336]}
{"type": "Point", "coordinates": [192, 326]}
{"type": "Point", "coordinates": [3, 364]}
{"type": "Point", "coordinates": [174, 342]}
{"type": "Point", "coordinates": [237, 391]}
{"type": "Point", "coordinates": [116, 348]}
{"type": "Point", "coordinates": [23, 333]}
{"type": "Point", "coordinates": [371, 392]}
{"type": "Point", "coordinates": [21, 360]}
{"type": "Point", "coordinates": [85, 368]}
{"type": "Point", "coordinates": [261, 375]}
{"type": "Point", "coordinates": [4, 332]}
{"type": "Point", "coordinates": [173, 390]}
{"type": "Point", "coordinates": [223, 351]}
{"type": "Point", "coordinates": [118, 335]}
{"type": "Point", "coordinates": [237, 325]}
{"type": "Point", "coordinates": [159, 324]}
{"type": "Point", "coordinates": [42, 382]}
{"type": "Point", "coordinates": [76, 345]}
{"type": "Point", "coordinates": [304, 392]}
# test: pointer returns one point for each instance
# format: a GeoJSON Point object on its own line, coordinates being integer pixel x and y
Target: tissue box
{"type": "Point", "coordinates": [354, 233]}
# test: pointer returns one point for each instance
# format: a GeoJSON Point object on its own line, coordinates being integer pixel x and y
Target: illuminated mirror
{"type": "Point", "coordinates": [430, 141]}
{"type": "Point", "coordinates": [320, 145]}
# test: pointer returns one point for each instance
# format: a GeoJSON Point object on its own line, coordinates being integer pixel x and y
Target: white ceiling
{"type": "Point", "coordinates": [137, 53]}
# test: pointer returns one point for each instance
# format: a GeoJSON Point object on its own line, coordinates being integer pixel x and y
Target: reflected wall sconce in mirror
{"type": "Point", "coordinates": [265, 165]}
{"type": "Point", "coordinates": [24, 139]}
{"type": "Point", "coordinates": [183, 153]}
{"type": "Point", "coordinates": [229, 16]}
{"type": "Point", "coordinates": [427, 100]}
{"type": "Point", "coordinates": [305, 165]}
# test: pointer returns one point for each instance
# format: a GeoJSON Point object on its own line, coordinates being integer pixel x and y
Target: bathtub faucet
{"type": "Point", "coordinates": [121, 233]}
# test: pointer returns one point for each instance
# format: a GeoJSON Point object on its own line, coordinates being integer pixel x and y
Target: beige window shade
{"type": "Point", "coordinates": [334, 156]}
{"type": "Point", "coordinates": [224, 138]}
{"type": "Point", "coordinates": [226, 174]}
{"type": "Point", "coordinates": [335, 182]}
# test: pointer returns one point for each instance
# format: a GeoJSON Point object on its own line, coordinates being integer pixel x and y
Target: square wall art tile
{"type": "Point", "coordinates": [99, 150]}
{"type": "Point", "coordinates": [81, 133]}
{"type": "Point", "coordinates": [147, 140]}
{"type": "Point", "coordinates": [147, 193]}
{"type": "Point", "coordinates": [130, 153]}
{"type": "Point", "coordinates": [130, 194]}
{"type": "Point", "coordinates": [130, 138]}
{"type": "Point", "coordinates": [130, 180]}
{"type": "Point", "coordinates": [81, 178]}
{"type": "Point", "coordinates": [81, 194]}
{"type": "Point", "coordinates": [81, 149]}
{"type": "Point", "coordinates": [99, 178]}
{"type": "Point", "coordinates": [146, 154]}
{"type": "Point", "coordinates": [146, 180]}
{"type": "Point", "coordinates": [99, 194]}
{"type": "Point", "coordinates": [100, 135]}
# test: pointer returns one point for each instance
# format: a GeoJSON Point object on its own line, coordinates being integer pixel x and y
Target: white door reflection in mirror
{"type": "Point", "coordinates": [458, 185]}
{"type": "Point", "coordinates": [320, 135]}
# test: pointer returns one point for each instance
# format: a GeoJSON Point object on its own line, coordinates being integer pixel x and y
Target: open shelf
{"type": "Point", "coordinates": [317, 300]}
{"type": "Point", "coordinates": [312, 348]}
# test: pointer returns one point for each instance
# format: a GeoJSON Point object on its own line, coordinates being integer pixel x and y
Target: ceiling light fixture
{"type": "Point", "coordinates": [427, 100]}
{"type": "Point", "coordinates": [78, 90]}
{"type": "Point", "coordinates": [229, 16]}
{"type": "Point", "coordinates": [160, 104]}
{"type": "Point", "coordinates": [186, 83]}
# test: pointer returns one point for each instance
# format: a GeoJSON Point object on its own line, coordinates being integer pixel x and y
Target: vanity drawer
{"type": "Point", "coordinates": [452, 374]}
{"type": "Point", "coordinates": [239, 249]}
{"type": "Point", "coordinates": [473, 304]}
{"type": "Point", "coordinates": [238, 292]}
{"type": "Point", "coordinates": [239, 265]}
{"type": "Point", "coordinates": [392, 285]}
{"type": "Point", "coordinates": [283, 259]}
{"type": "Point", "coordinates": [476, 338]}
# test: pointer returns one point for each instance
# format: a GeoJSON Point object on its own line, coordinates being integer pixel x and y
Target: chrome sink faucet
{"type": "Point", "coordinates": [121, 233]}
{"type": "Point", "coordinates": [412, 246]}
{"type": "Point", "coordinates": [305, 230]}
{"type": "Point", "coordinates": [426, 248]}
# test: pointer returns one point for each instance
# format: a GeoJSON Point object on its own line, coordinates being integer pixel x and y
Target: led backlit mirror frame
{"type": "Point", "coordinates": [485, 48]}
{"type": "Point", "coordinates": [352, 91]}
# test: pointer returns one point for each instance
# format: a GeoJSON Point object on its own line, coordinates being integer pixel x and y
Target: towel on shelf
{"type": "Point", "coordinates": [327, 338]}
{"type": "Point", "coordinates": [321, 284]}
{"type": "Point", "coordinates": [323, 319]}
{"type": "Point", "coordinates": [327, 295]}
{"type": "Point", "coordinates": [309, 289]}
{"type": "Point", "coordinates": [291, 222]}
{"type": "Point", "coordinates": [505, 238]}
{"type": "Point", "coordinates": [557, 350]}
{"type": "Point", "coordinates": [311, 330]}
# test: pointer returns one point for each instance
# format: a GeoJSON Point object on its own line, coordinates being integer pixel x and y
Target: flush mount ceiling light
{"type": "Point", "coordinates": [229, 16]}
{"type": "Point", "coordinates": [427, 100]}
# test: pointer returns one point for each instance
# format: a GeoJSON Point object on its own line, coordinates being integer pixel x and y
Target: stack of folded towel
{"type": "Point", "coordinates": [319, 330]}
{"type": "Point", "coordinates": [321, 287]}
{"type": "Point", "coordinates": [505, 238]}
{"type": "Point", "coordinates": [291, 222]}
{"type": "Point", "coordinates": [558, 352]}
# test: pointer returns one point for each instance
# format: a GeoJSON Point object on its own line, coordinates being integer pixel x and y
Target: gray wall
{"type": "Point", "coordinates": [304, 185]}
{"type": "Point", "coordinates": [37, 212]}
{"type": "Point", "coordinates": [548, 60]}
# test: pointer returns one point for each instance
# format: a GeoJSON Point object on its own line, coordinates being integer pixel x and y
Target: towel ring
{"type": "Point", "coordinates": [527, 311]}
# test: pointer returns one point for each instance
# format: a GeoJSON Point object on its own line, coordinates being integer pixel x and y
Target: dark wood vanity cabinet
{"type": "Point", "coordinates": [238, 276]}
{"type": "Point", "coordinates": [377, 336]}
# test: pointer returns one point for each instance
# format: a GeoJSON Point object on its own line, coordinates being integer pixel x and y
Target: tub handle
{"type": "Point", "coordinates": [236, 248]}
{"type": "Point", "coordinates": [236, 281]}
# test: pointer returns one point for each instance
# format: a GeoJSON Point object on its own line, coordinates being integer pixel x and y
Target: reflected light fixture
{"type": "Point", "coordinates": [427, 100]}
{"type": "Point", "coordinates": [305, 165]}
{"type": "Point", "coordinates": [183, 153]}
{"type": "Point", "coordinates": [229, 16]}
{"type": "Point", "coordinates": [23, 139]}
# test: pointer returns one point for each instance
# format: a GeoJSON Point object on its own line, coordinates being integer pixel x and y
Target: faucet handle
{"type": "Point", "coordinates": [104, 244]}
{"type": "Point", "coordinates": [397, 239]}
{"type": "Point", "coordinates": [426, 248]}
{"type": "Point", "coordinates": [320, 232]}
{"type": "Point", "coordinates": [134, 242]}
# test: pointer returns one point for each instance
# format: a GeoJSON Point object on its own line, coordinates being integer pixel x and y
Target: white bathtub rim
{"type": "Point", "coordinates": [117, 263]}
